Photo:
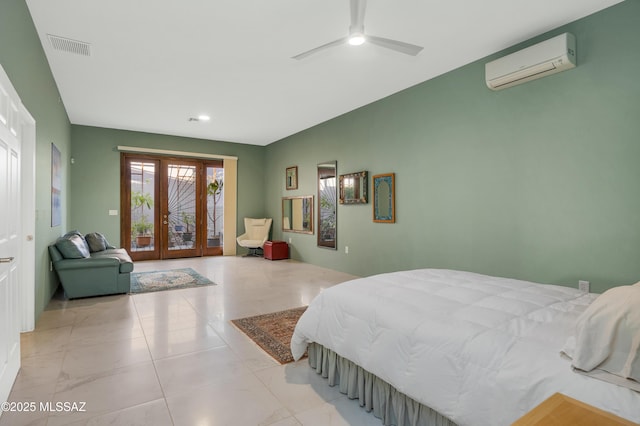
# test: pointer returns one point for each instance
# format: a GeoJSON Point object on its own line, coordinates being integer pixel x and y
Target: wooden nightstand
{"type": "Point", "coordinates": [560, 410]}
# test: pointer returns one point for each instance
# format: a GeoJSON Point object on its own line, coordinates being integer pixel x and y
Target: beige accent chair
{"type": "Point", "coordinates": [256, 233]}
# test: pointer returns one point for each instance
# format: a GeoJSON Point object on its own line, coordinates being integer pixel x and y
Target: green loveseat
{"type": "Point", "coordinates": [88, 266]}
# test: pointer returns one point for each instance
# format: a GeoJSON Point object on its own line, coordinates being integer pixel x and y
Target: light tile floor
{"type": "Point", "coordinates": [173, 358]}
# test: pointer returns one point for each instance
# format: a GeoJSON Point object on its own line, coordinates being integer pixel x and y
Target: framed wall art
{"type": "Point", "coordinates": [384, 203]}
{"type": "Point", "coordinates": [291, 177]}
{"type": "Point", "coordinates": [56, 186]}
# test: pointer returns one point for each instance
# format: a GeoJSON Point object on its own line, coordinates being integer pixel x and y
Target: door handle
{"type": "Point", "coordinates": [6, 259]}
{"type": "Point", "coordinates": [165, 222]}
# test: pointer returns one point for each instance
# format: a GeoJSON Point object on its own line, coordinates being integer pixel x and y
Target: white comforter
{"type": "Point", "coordinates": [480, 350]}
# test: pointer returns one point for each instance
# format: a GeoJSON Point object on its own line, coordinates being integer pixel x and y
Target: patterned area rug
{"type": "Point", "coordinates": [272, 332]}
{"type": "Point", "coordinates": [144, 282]}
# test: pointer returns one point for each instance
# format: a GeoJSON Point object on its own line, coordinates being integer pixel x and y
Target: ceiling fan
{"type": "Point", "coordinates": [357, 36]}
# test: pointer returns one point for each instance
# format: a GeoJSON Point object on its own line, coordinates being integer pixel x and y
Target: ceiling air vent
{"type": "Point", "coordinates": [70, 46]}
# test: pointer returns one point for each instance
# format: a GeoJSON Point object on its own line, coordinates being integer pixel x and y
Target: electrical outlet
{"type": "Point", "coordinates": [346, 249]}
{"type": "Point", "coordinates": [583, 286]}
{"type": "Point", "coordinates": [290, 240]}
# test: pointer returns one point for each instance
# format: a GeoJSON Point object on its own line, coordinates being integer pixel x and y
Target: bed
{"type": "Point", "coordinates": [446, 347]}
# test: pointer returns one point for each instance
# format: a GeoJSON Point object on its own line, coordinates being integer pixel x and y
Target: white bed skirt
{"type": "Point", "coordinates": [374, 394]}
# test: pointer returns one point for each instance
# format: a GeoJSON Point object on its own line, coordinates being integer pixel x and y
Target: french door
{"type": "Point", "coordinates": [172, 207]}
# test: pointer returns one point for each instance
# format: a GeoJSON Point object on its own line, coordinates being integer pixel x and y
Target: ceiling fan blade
{"type": "Point", "coordinates": [398, 46]}
{"type": "Point", "coordinates": [320, 48]}
{"type": "Point", "coordinates": [358, 8]}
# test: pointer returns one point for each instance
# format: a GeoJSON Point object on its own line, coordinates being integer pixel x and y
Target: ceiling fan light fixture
{"type": "Point", "coordinates": [356, 39]}
{"type": "Point", "coordinates": [356, 36]}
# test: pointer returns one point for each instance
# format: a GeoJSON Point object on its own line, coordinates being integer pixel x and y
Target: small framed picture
{"type": "Point", "coordinates": [291, 180]}
{"type": "Point", "coordinates": [384, 198]}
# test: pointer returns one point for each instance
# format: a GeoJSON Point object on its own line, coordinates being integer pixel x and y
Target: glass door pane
{"type": "Point", "coordinates": [214, 208]}
{"type": "Point", "coordinates": [143, 200]}
{"type": "Point", "coordinates": [182, 227]}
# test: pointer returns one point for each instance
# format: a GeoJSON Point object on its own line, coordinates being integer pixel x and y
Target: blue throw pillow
{"type": "Point", "coordinates": [73, 247]}
{"type": "Point", "coordinates": [96, 241]}
{"type": "Point", "coordinates": [74, 232]}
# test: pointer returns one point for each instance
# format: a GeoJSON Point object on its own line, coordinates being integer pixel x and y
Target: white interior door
{"type": "Point", "coordinates": [10, 229]}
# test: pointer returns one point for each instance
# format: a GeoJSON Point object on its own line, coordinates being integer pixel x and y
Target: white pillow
{"type": "Point", "coordinates": [608, 334]}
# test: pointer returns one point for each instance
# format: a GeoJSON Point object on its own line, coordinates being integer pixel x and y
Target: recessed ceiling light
{"type": "Point", "coordinates": [200, 118]}
{"type": "Point", "coordinates": [356, 39]}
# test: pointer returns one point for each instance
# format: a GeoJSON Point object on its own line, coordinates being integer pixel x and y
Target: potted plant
{"type": "Point", "coordinates": [141, 199]}
{"type": "Point", "coordinates": [141, 228]}
{"type": "Point", "coordinates": [188, 220]}
{"type": "Point", "coordinates": [214, 190]}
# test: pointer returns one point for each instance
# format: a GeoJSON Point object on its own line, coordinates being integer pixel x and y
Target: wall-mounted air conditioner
{"type": "Point", "coordinates": [537, 61]}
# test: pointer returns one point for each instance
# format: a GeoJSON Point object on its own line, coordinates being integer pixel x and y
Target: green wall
{"type": "Point", "coordinates": [536, 182]}
{"type": "Point", "coordinates": [95, 174]}
{"type": "Point", "coordinates": [23, 59]}
{"type": "Point", "coordinates": [539, 181]}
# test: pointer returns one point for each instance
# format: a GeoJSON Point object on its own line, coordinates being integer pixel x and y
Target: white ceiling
{"type": "Point", "coordinates": [156, 63]}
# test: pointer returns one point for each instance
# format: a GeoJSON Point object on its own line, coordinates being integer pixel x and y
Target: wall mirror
{"type": "Point", "coordinates": [384, 198]}
{"type": "Point", "coordinates": [297, 214]}
{"type": "Point", "coordinates": [327, 204]}
{"type": "Point", "coordinates": [353, 188]}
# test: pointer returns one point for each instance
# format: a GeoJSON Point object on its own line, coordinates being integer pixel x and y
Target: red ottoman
{"type": "Point", "coordinates": [276, 250]}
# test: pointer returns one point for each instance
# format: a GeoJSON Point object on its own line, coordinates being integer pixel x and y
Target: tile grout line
{"type": "Point", "coordinates": [153, 361]}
